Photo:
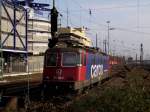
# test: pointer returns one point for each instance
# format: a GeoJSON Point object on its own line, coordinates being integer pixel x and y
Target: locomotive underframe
{"type": "Point", "coordinates": [73, 85]}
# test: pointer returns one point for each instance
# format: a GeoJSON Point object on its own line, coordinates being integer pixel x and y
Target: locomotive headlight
{"type": "Point", "coordinates": [47, 77]}
{"type": "Point", "coordinates": [70, 86]}
{"type": "Point", "coordinates": [79, 65]}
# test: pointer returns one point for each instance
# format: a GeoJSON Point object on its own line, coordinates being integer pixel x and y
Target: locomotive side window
{"type": "Point", "coordinates": [93, 59]}
{"type": "Point", "coordinates": [101, 59]}
{"type": "Point", "coordinates": [51, 59]}
{"type": "Point", "coordinates": [84, 63]}
{"type": "Point", "coordinates": [70, 59]}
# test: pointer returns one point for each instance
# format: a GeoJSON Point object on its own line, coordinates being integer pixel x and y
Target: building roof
{"type": "Point", "coordinates": [75, 35]}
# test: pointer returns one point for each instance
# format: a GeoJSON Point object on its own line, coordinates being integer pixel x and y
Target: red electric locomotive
{"type": "Point", "coordinates": [74, 68]}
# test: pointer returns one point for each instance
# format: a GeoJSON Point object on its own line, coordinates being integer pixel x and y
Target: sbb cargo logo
{"type": "Point", "coordinates": [96, 70]}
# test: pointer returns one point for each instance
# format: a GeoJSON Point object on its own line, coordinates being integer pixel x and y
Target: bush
{"type": "Point", "coordinates": [133, 97]}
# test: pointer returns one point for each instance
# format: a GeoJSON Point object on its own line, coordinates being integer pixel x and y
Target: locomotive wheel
{"type": "Point", "coordinates": [96, 84]}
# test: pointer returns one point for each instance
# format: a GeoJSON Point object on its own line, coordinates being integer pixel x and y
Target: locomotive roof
{"type": "Point", "coordinates": [77, 48]}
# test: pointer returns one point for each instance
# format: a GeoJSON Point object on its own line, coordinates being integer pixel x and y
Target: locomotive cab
{"type": "Point", "coordinates": [63, 67]}
{"type": "Point", "coordinates": [74, 68]}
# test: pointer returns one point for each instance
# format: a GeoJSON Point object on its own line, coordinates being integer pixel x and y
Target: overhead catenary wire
{"type": "Point", "coordinates": [80, 11]}
{"type": "Point", "coordinates": [110, 8]}
{"type": "Point", "coordinates": [138, 14]}
{"type": "Point", "coordinates": [103, 25]}
{"type": "Point", "coordinates": [126, 6]}
{"type": "Point", "coordinates": [116, 28]}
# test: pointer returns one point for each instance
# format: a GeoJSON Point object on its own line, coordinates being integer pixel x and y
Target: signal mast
{"type": "Point", "coordinates": [54, 26]}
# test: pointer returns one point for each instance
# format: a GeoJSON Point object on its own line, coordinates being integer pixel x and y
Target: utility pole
{"type": "Point", "coordinates": [105, 46]}
{"type": "Point", "coordinates": [96, 41]}
{"type": "Point", "coordinates": [136, 59]}
{"type": "Point", "coordinates": [108, 22]}
{"type": "Point", "coordinates": [67, 17]}
{"type": "Point", "coordinates": [141, 54]}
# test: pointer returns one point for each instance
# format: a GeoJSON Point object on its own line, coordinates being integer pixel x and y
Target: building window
{"type": "Point", "coordinates": [84, 63]}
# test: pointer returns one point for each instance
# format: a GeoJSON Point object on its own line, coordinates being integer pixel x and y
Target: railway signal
{"type": "Point", "coordinates": [54, 20]}
{"type": "Point", "coordinates": [54, 26]}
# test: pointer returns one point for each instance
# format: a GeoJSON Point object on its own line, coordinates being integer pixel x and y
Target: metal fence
{"type": "Point", "coordinates": [35, 64]}
{"type": "Point", "coordinates": [35, 67]}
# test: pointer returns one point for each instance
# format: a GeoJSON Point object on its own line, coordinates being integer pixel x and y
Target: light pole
{"type": "Point", "coordinates": [108, 31]}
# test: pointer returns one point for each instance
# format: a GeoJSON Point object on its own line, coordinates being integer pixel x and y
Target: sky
{"type": "Point", "coordinates": [130, 20]}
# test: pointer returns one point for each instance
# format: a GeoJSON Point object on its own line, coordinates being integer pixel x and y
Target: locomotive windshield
{"type": "Point", "coordinates": [70, 59]}
{"type": "Point", "coordinates": [51, 59]}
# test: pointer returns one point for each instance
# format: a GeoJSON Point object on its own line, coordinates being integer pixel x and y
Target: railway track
{"type": "Point", "coordinates": [53, 101]}
{"type": "Point", "coordinates": [57, 102]}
